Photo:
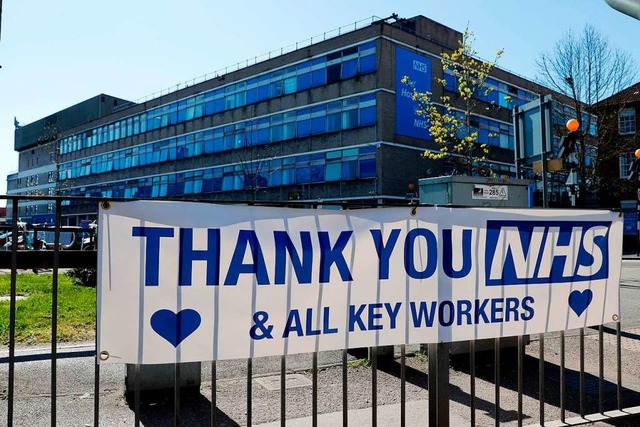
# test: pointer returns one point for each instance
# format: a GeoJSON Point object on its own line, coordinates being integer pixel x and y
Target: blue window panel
{"type": "Point", "coordinates": [275, 178]}
{"type": "Point", "coordinates": [319, 77]}
{"type": "Point", "coordinates": [209, 108]}
{"type": "Point", "coordinates": [198, 111]}
{"type": "Point", "coordinates": [366, 46]}
{"type": "Point", "coordinates": [263, 136]}
{"type": "Point", "coordinates": [317, 173]}
{"type": "Point", "coordinates": [240, 99]}
{"type": "Point", "coordinates": [349, 69]}
{"type": "Point", "coordinates": [263, 92]}
{"type": "Point", "coordinates": [367, 116]}
{"type": "Point", "coordinates": [318, 62]}
{"type": "Point", "coordinates": [483, 136]}
{"type": "Point", "coordinates": [350, 119]}
{"type": "Point", "coordinates": [229, 102]}
{"type": "Point", "coordinates": [334, 122]}
{"type": "Point", "coordinates": [303, 175]}
{"type": "Point", "coordinates": [303, 128]}
{"type": "Point", "coordinates": [175, 189]}
{"type": "Point", "coordinates": [197, 186]}
{"type": "Point", "coordinates": [303, 67]}
{"type": "Point", "coordinates": [450, 82]}
{"type": "Point", "coordinates": [290, 85]}
{"type": "Point", "coordinates": [333, 73]}
{"type": "Point", "coordinates": [216, 184]}
{"type": "Point", "coordinates": [276, 88]}
{"type": "Point", "coordinates": [350, 169]}
{"type": "Point", "coordinates": [368, 168]}
{"type": "Point", "coordinates": [367, 150]}
{"type": "Point", "coordinates": [228, 142]}
{"type": "Point", "coordinates": [227, 183]}
{"type": "Point", "coordinates": [276, 133]}
{"type": "Point", "coordinates": [288, 176]}
{"type": "Point", "coordinates": [289, 131]}
{"type": "Point", "coordinates": [318, 125]}
{"type": "Point", "coordinates": [218, 105]}
{"type": "Point", "coordinates": [366, 99]}
{"type": "Point", "coordinates": [333, 171]}
{"type": "Point", "coordinates": [304, 81]}
{"type": "Point", "coordinates": [252, 95]}
{"type": "Point", "coordinates": [350, 51]}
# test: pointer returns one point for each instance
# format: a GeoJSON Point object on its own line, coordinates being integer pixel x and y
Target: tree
{"type": "Point", "coordinates": [253, 167]}
{"type": "Point", "coordinates": [586, 69]}
{"type": "Point", "coordinates": [450, 122]}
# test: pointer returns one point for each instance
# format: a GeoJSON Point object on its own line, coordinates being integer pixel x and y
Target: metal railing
{"type": "Point", "coordinates": [530, 384]}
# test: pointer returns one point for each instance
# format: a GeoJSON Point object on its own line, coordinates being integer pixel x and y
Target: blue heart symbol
{"type": "Point", "coordinates": [175, 327]}
{"type": "Point", "coordinates": [579, 301]}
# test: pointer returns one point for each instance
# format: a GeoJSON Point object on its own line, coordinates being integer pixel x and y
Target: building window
{"type": "Point", "coordinates": [627, 121]}
{"type": "Point", "coordinates": [50, 176]}
{"type": "Point", "coordinates": [626, 160]}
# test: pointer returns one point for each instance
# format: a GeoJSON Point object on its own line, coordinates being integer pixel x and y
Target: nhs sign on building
{"type": "Point", "coordinates": [418, 69]}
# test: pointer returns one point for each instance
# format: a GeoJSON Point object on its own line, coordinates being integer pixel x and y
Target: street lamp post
{"type": "Point", "coordinates": [628, 7]}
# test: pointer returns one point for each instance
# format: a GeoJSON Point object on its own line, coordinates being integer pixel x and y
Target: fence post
{"type": "Point", "coordinates": [439, 384]}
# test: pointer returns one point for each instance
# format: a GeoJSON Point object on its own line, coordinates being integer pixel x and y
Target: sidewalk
{"type": "Point", "coordinates": [387, 415]}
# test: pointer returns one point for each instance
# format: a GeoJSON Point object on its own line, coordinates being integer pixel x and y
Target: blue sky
{"type": "Point", "coordinates": [56, 54]}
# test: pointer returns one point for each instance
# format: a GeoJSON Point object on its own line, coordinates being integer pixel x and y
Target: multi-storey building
{"type": "Point", "coordinates": [619, 123]}
{"type": "Point", "coordinates": [330, 121]}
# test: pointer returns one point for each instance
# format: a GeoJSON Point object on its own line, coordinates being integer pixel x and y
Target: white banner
{"type": "Point", "coordinates": [180, 282]}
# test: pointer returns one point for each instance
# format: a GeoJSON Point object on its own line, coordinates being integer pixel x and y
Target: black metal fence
{"type": "Point", "coordinates": [563, 392]}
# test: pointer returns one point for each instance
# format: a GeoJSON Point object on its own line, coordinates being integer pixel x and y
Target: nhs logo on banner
{"type": "Point", "coordinates": [545, 252]}
{"type": "Point", "coordinates": [418, 69]}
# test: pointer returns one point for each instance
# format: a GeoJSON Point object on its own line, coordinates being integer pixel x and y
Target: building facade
{"type": "Point", "coordinates": [331, 121]}
{"type": "Point", "coordinates": [618, 125]}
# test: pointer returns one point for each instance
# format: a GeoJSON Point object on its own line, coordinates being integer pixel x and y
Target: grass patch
{"type": "Point", "coordinates": [76, 310]}
{"type": "Point", "coordinates": [366, 363]}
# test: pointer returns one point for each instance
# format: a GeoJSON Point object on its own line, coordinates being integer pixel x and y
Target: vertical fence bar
{"type": "Point", "coordinates": [472, 380]}
{"type": "Point", "coordinates": [54, 311]}
{"type": "Point", "coordinates": [403, 385]}
{"type": "Point", "coordinates": [582, 408]}
{"type": "Point", "coordinates": [283, 390]}
{"type": "Point", "coordinates": [562, 378]}
{"type": "Point", "coordinates": [96, 376]}
{"type": "Point", "coordinates": [314, 391]}
{"type": "Point", "coordinates": [136, 397]}
{"type": "Point", "coordinates": [600, 370]}
{"type": "Point", "coordinates": [496, 361]}
{"type": "Point", "coordinates": [345, 397]}
{"type": "Point", "coordinates": [619, 363]}
{"type": "Point", "coordinates": [439, 384]}
{"type": "Point", "coordinates": [12, 312]}
{"type": "Point", "coordinates": [541, 378]}
{"type": "Point", "coordinates": [96, 393]}
{"type": "Point", "coordinates": [374, 386]}
{"type": "Point", "coordinates": [249, 389]}
{"type": "Point", "coordinates": [214, 387]}
{"type": "Point", "coordinates": [520, 376]}
{"type": "Point", "coordinates": [177, 420]}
